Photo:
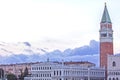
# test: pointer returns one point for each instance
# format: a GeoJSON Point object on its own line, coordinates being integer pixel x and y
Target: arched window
{"type": "Point", "coordinates": [117, 78]}
{"type": "Point", "coordinates": [54, 72]}
{"type": "Point", "coordinates": [57, 73]}
{"type": "Point", "coordinates": [113, 78]}
{"type": "Point", "coordinates": [109, 78]}
{"type": "Point", "coordinates": [60, 72]}
{"type": "Point", "coordinates": [114, 64]}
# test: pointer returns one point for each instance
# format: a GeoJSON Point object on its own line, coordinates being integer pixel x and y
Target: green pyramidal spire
{"type": "Point", "coordinates": [105, 17]}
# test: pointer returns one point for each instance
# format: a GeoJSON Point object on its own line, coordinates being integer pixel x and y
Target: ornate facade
{"type": "Point", "coordinates": [113, 67]}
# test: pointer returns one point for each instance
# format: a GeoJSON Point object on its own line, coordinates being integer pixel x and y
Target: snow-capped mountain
{"type": "Point", "coordinates": [8, 49]}
{"type": "Point", "coordinates": [24, 52]}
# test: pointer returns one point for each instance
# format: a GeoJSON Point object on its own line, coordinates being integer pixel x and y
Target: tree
{"type": "Point", "coordinates": [11, 76]}
{"type": "Point", "coordinates": [1, 73]}
{"type": "Point", "coordinates": [26, 72]}
{"type": "Point", "coordinates": [23, 74]}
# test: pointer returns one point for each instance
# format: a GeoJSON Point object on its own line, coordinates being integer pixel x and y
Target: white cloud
{"type": "Point", "coordinates": [72, 21]}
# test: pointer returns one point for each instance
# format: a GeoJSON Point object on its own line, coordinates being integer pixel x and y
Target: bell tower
{"type": "Point", "coordinates": [106, 38]}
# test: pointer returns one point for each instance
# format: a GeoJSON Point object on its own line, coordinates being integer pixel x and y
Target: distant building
{"type": "Point", "coordinates": [113, 67]}
{"type": "Point", "coordinates": [15, 68]}
{"type": "Point", "coordinates": [66, 71]}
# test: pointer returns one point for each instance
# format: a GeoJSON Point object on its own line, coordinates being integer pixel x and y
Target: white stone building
{"type": "Point", "coordinates": [113, 71]}
{"type": "Point", "coordinates": [66, 71]}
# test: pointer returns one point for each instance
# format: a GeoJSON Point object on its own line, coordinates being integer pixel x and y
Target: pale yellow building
{"type": "Point", "coordinates": [16, 68]}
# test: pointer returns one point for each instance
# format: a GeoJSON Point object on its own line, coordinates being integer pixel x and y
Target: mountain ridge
{"type": "Point", "coordinates": [30, 54]}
